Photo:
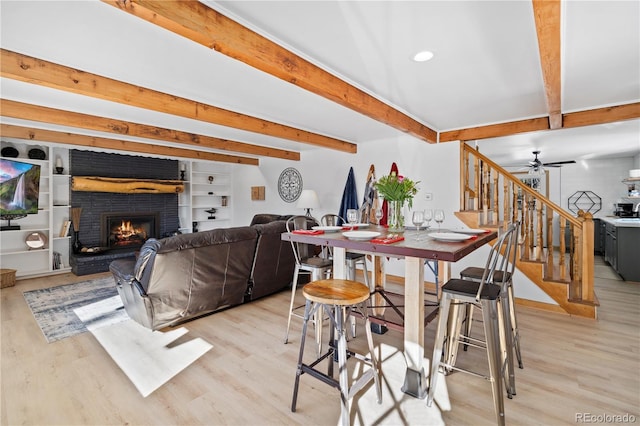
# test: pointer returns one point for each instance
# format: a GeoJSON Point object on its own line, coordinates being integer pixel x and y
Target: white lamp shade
{"type": "Point", "coordinates": [308, 200]}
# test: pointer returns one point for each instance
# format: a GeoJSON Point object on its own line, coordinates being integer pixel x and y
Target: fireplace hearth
{"type": "Point", "coordinates": [123, 230]}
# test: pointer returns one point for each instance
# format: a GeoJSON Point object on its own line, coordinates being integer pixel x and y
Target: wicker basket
{"type": "Point", "coordinates": [8, 278]}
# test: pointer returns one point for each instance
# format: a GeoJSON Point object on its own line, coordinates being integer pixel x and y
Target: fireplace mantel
{"type": "Point", "coordinates": [126, 185]}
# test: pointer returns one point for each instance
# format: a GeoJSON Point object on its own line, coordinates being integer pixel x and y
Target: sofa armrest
{"type": "Point", "coordinates": [123, 272]}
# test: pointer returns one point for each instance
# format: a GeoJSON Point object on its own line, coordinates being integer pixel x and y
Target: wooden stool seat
{"type": "Point", "coordinates": [336, 292]}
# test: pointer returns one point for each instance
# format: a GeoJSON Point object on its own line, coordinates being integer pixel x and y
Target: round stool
{"type": "Point", "coordinates": [337, 298]}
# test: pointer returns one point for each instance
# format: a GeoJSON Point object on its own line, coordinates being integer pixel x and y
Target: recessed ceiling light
{"type": "Point", "coordinates": [423, 56]}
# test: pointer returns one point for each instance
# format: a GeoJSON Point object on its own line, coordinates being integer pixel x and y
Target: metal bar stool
{"type": "Point", "coordinates": [335, 297]}
{"type": "Point", "coordinates": [503, 276]}
{"type": "Point", "coordinates": [352, 259]}
{"type": "Point", "coordinates": [456, 293]}
{"type": "Point", "coordinates": [306, 263]}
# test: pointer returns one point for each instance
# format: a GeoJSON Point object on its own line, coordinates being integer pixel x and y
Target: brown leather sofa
{"type": "Point", "coordinates": [186, 276]}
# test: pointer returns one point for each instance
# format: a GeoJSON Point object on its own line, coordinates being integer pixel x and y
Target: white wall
{"type": "Point", "coordinates": [436, 166]}
{"type": "Point", "coordinates": [603, 177]}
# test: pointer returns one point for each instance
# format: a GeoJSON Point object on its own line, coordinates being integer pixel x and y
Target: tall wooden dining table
{"type": "Point", "coordinates": [415, 253]}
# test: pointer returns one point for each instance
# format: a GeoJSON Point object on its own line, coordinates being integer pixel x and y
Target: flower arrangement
{"type": "Point", "coordinates": [395, 187]}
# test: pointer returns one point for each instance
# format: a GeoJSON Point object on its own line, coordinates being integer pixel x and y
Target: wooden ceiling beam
{"type": "Point", "coordinates": [547, 18]}
{"type": "Point", "coordinates": [42, 114]}
{"type": "Point", "coordinates": [602, 115]}
{"type": "Point", "coordinates": [575, 119]}
{"type": "Point", "coordinates": [37, 71]}
{"type": "Point", "coordinates": [29, 133]}
{"type": "Point", "coordinates": [495, 130]}
{"type": "Point", "coordinates": [199, 23]}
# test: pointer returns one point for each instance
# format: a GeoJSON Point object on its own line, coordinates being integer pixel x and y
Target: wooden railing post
{"type": "Point", "coordinates": [563, 248]}
{"type": "Point", "coordinates": [587, 258]}
{"type": "Point", "coordinates": [496, 202]}
{"type": "Point", "coordinates": [549, 241]}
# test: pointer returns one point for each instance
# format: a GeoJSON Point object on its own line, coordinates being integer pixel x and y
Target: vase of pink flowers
{"type": "Point", "coordinates": [397, 190]}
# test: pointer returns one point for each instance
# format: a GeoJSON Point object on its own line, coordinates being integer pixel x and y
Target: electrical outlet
{"type": "Point", "coordinates": [428, 196]}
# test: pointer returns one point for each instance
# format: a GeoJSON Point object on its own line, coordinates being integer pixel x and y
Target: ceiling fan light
{"type": "Point", "coordinates": [423, 56]}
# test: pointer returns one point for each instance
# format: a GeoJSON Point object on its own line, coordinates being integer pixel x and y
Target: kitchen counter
{"type": "Point", "coordinates": [626, 222]}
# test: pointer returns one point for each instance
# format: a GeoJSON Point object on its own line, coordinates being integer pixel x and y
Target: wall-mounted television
{"type": "Point", "coordinates": [19, 190]}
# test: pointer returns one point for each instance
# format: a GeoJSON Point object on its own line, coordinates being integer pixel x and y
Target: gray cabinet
{"type": "Point", "coordinates": [599, 232]}
{"type": "Point", "coordinates": [622, 250]}
{"type": "Point", "coordinates": [628, 253]}
{"type": "Point", "coordinates": [611, 246]}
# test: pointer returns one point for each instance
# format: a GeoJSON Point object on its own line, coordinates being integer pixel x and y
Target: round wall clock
{"type": "Point", "coordinates": [290, 184]}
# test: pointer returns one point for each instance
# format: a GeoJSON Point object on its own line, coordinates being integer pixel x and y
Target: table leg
{"type": "Point", "coordinates": [378, 279]}
{"type": "Point", "coordinates": [339, 263]}
{"type": "Point", "coordinates": [414, 382]}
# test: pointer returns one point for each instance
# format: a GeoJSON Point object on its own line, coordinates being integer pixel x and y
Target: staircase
{"type": "Point", "coordinates": [491, 197]}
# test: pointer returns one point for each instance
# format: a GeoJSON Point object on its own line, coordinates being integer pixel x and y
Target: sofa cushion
{"type": "Point", "coordinates": [274, 261]}
{"type": "Point", "coordinates": [261, 218]}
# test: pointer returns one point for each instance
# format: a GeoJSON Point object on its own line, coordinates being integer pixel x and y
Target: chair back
{"type": "Point", "coordinates": [332, 220]}
{"type": "Point", "coordinates": [495, 261]}
{"type": "Point", "coordinates": [301, 251]}
{"type": "Point", "coordinates": [516, 242]}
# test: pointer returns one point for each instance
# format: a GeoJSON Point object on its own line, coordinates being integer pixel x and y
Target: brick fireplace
{"type": "Point", "coordinates": [161, 210]}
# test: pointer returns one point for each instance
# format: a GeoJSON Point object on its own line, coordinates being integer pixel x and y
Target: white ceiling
{"type": "Point", "coordinates": [486, 67]}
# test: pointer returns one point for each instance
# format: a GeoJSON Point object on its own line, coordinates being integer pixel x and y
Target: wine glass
{"type": "Point", "coordinates": [428, 215]}
{"type": "Point", "coordinates": [438, 216]}
{"type": "Point", "coordinates": [352, 216]}
{"type": "Point", "coordinates": [418, 220]}
{"type": "Point", "coordinates": [378, 214]}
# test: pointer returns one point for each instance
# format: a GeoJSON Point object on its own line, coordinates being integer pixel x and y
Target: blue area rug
{"type": "Point", "coordinates": [53, 308]}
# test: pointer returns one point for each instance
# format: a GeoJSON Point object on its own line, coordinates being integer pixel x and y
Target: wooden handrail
{"type": "Point", "coordinates": [507, 175]}
{"type": "Point", "coordinates": [499, 197]}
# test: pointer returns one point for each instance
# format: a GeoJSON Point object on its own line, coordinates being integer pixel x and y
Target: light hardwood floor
{"type": "Point", "coordinates": [571, 366]}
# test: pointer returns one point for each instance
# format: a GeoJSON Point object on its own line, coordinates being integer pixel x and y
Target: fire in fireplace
{"type": "Point", "coordinates": [128, 230]}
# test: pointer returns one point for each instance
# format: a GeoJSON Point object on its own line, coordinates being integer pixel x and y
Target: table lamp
{"type": "Point", "coordinates": [308, 200]}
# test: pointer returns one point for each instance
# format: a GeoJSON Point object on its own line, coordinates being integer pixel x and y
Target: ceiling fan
{"type": "Point", "coordinates": [536, 165]}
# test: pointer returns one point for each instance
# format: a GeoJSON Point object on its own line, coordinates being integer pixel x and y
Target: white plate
{"type": "Point", "coordinates": [470, 231]}
{"type": "Point", "coordinates": [327, 228]}
{"type": "Point", "coordinates": [356, 225]}
{"type": "Point", "coordinates": [361, 235]}
{"type": "Point", "coordinates": [449, 236]}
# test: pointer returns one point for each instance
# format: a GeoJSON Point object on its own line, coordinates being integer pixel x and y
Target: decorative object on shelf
{"type": "Point", "coordinates": [224, 200]}
{"type": "Point", "coordinates": [36, 240]}
{"type": "Point", "coordinates": [586, 201]}
{"type": "Point", "coordinates": [210, 178]}
{"type": "Point", "coordinates": [37, 154]}
{"type": "Point", "coordinates": [290, 184]}
{"type": "Point", "coordinates": [183, 170]}
{"type": "Point", "coordinates": [308, 200]}
{"type": "Point", "coordinates": [59, 168]}
{"type": "Point", "coordinates": [211, 212]}
{"type": "Point", "coordinates": [210, 193]}
{"type": "Point", "coordinates": [75, 221]}
{"type": "Point", "coordinates": [9, 151]}
{"type": "Point", "coordinates": [64, 230]}
{"type": "Point", "coordinates": [396, 190]}
{"type": "Point", "coordinates": [194, 226]}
